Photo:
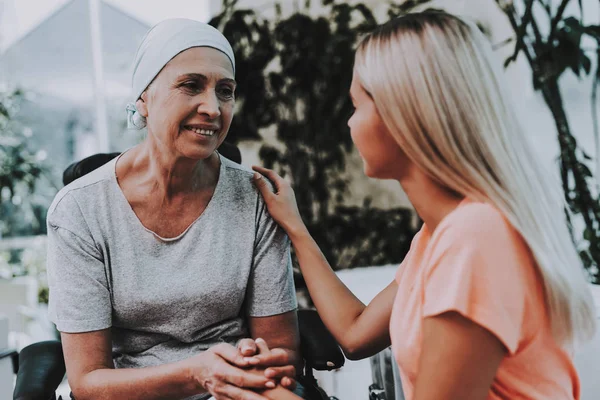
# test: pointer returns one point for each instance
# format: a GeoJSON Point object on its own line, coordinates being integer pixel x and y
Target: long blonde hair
{"type": "Point", "coordinates": [434, 83]}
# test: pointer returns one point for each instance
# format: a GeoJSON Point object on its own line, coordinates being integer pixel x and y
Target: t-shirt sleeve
{"type": "Point", "coordinates": [79, 298]}
{"type": "Point", "coordinates": [271, 288]}
{"type": "Point", "coordinates": [477, 268]}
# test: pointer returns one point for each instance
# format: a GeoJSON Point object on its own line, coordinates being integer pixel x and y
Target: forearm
{"type": "Point", "coordinates": [295, 360]}
{"type": "Point", "coordinates": [162, 382]}
{"type": "Point", "coordinates": [338, 307]}
{"type": "Point", "coordinates": [280, 393]}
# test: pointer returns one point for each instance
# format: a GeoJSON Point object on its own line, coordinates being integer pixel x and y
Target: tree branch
{"type": "Point", "coordinates": [510, 12]}
{"type": "Point", "coordinates": [536, 32]}
{"type": "Point", "coordinates": [557, 18]}
{"type": "Point", "coordinates": [503, 43]}
{"type": "Point", "coordinates": [522, 29]}
{"type": "Point", "coordinates": [546, 7]}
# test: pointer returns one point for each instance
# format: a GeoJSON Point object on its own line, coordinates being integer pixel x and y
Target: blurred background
{"type": "Point", "coordinates": [65, 68]}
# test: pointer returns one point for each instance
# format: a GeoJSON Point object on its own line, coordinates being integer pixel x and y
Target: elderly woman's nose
{"type": "Point", "coordinates": [210, 106]}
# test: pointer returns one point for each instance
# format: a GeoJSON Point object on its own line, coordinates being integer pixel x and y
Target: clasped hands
{"type": "Point", "coordinates": [243, 372]}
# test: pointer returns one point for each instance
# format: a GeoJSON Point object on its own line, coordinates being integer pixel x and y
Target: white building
{"type": "Point", "coordinates": [53, 63]}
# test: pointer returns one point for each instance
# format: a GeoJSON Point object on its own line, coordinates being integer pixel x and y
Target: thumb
{"type": "Point", "coordinates": [231, 355]}
{"type": "Point", "coordinates": [261, 184]}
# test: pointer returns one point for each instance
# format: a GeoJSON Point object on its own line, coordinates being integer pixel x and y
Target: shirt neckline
{"type": "Point", "coordinates": [133, 215]}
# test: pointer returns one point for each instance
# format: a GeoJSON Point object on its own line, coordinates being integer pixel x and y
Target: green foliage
{"type": "Point", "coordinates": [253, 46]}
{"type": "Point", "coordinates": [294, 75]}
{"type": "Point", "coordinates": [361, 236]}
{"type": "Point", "coordinates": [21, 211]}
{"type": "Point", "coordinates": [550, 56]}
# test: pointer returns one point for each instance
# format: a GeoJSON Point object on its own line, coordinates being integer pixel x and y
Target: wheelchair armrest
{"type": "Point", "coordinates": [319, 349]}
{"type": "Point", "coordinates": [14, 356]}
{"type": "Point", "coordinates": [41, 369]}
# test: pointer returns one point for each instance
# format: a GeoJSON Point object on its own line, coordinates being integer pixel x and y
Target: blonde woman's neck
{"type": "Point", "coordinates": [431, 201]}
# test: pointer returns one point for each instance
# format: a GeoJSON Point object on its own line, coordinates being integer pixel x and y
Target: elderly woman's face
{"type": "Point", "coordinates": [189, 105]}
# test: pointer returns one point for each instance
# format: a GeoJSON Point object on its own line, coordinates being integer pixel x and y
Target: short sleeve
{"type": "Point", "coordinates": [271, 288]}
{"type": "Point", "coordinates": [477, 268]}
{"type": "Point", "coordinates": [79, 298]}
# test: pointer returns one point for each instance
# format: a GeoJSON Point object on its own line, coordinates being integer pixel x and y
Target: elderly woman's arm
{"type": "Point", "coordinates": [92, 375]}
{"type": "Point", "coordinates": [270, 299]}
{"type": "Point", "coordinates": [280, 332]}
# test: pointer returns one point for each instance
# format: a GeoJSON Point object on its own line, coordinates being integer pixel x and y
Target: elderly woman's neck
{"type": "Point", "coordinates": [174, 175]}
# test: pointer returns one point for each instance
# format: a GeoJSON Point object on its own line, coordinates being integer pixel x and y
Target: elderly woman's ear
{"type": "Point", "coordinates": [140, 104]}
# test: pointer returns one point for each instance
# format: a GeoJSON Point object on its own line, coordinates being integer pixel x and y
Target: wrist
{"type": "Point", "coordinates": [296, 230]}
{"type": "Point", "coordinates": [191, 371]}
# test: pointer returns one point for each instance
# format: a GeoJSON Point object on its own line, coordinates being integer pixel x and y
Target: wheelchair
{"type": "Point", "coordinates": [40, 367]}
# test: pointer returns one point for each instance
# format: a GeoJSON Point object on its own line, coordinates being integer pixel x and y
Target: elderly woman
{"type": "Point", "coordinates": [164, 257]}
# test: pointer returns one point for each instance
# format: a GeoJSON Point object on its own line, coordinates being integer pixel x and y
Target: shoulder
{"type": "Point", "coordinates": [234, 168]}
{"type": "Point", "coordinates": [475, 221]}
{"type": "Point", "coordinates": [478, 231]}
{"type": "Point", "coordinates": [240, 177]}
{"type": "Point", "coordinates": [478, 245]}
{"type": "Point", "coordinates": [84, 190]}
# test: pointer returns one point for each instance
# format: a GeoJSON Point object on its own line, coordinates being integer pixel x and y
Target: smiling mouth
{"type": "Point", "coordinates": [201, 131]}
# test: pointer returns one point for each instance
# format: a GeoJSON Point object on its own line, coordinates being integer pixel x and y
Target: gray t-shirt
{"type": "Point", "coordinates": [165, 300]}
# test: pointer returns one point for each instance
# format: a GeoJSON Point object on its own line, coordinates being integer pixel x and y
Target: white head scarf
{"type": "Point", "coordinates": [163, 42]}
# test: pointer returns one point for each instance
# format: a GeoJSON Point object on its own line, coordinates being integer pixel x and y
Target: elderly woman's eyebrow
{"type": "Point", "coordinates": [228, 80]}
{"type": "Point", "coordinates": [203, 78]}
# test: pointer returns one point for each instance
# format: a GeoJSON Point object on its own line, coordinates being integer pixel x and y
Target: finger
{"type": "Point", "coordinates": [263, 350]}
{"type": "Point", "coordinates": [230, 354]}
{"type": "Point", "coordinates": [288, 383]}
{"type": "Point", "coordinates": [263, 347]}
{"type": "Point", "coordinates": [264, 354]}
{"type": "Point", "coordinates": [253, 379]}
{"type": "Point", "coordinates": [261, 184]}
{"type": "Point", "coordinates": [275, 357]}
{"type": "Point", "coordinates": [269, 173]}
{"type": "Point", "coordinates": [280, 372]}
{"type": "Point", "coordinates": [247, 347]}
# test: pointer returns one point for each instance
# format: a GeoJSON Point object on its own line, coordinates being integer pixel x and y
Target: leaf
{"type": "Point", "coordinates": [216, 21]}
{"type": "Point", "coordinates": [585, 171]}
{"type": "Point", "coordinates": [566, 54]}
{"type": "Point", "coordinates": [593, 31]}
{"type": "Point", "coordinates": [586, 63]}
{"type": "Point", "coordinates": [585, 258]}
{"type": "Point", "coordinates": [4, 111]}
{"type": "Point", "coordinates": [572, 30]}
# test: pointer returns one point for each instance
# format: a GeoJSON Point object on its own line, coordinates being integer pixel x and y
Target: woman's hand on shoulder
{"type": "Point", "coordinates": [281, 204]}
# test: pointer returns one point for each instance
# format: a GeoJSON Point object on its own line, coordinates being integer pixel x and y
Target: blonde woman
{"type": "Point", "coordinates": [491, 298]}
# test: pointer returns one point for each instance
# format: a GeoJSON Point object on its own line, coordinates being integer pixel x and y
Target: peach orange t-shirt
{"type": "Point", "coordinates": [477, 264]}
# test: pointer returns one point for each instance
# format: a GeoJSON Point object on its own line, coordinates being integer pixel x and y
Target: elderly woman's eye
{"type": "Point", "coordinates": [226, 91]}
{"type": "Point", "coordinates": [191, 85]}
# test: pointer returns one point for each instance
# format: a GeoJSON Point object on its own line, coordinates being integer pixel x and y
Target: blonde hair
{"type": "Point", "coordinates": [439, 93]}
